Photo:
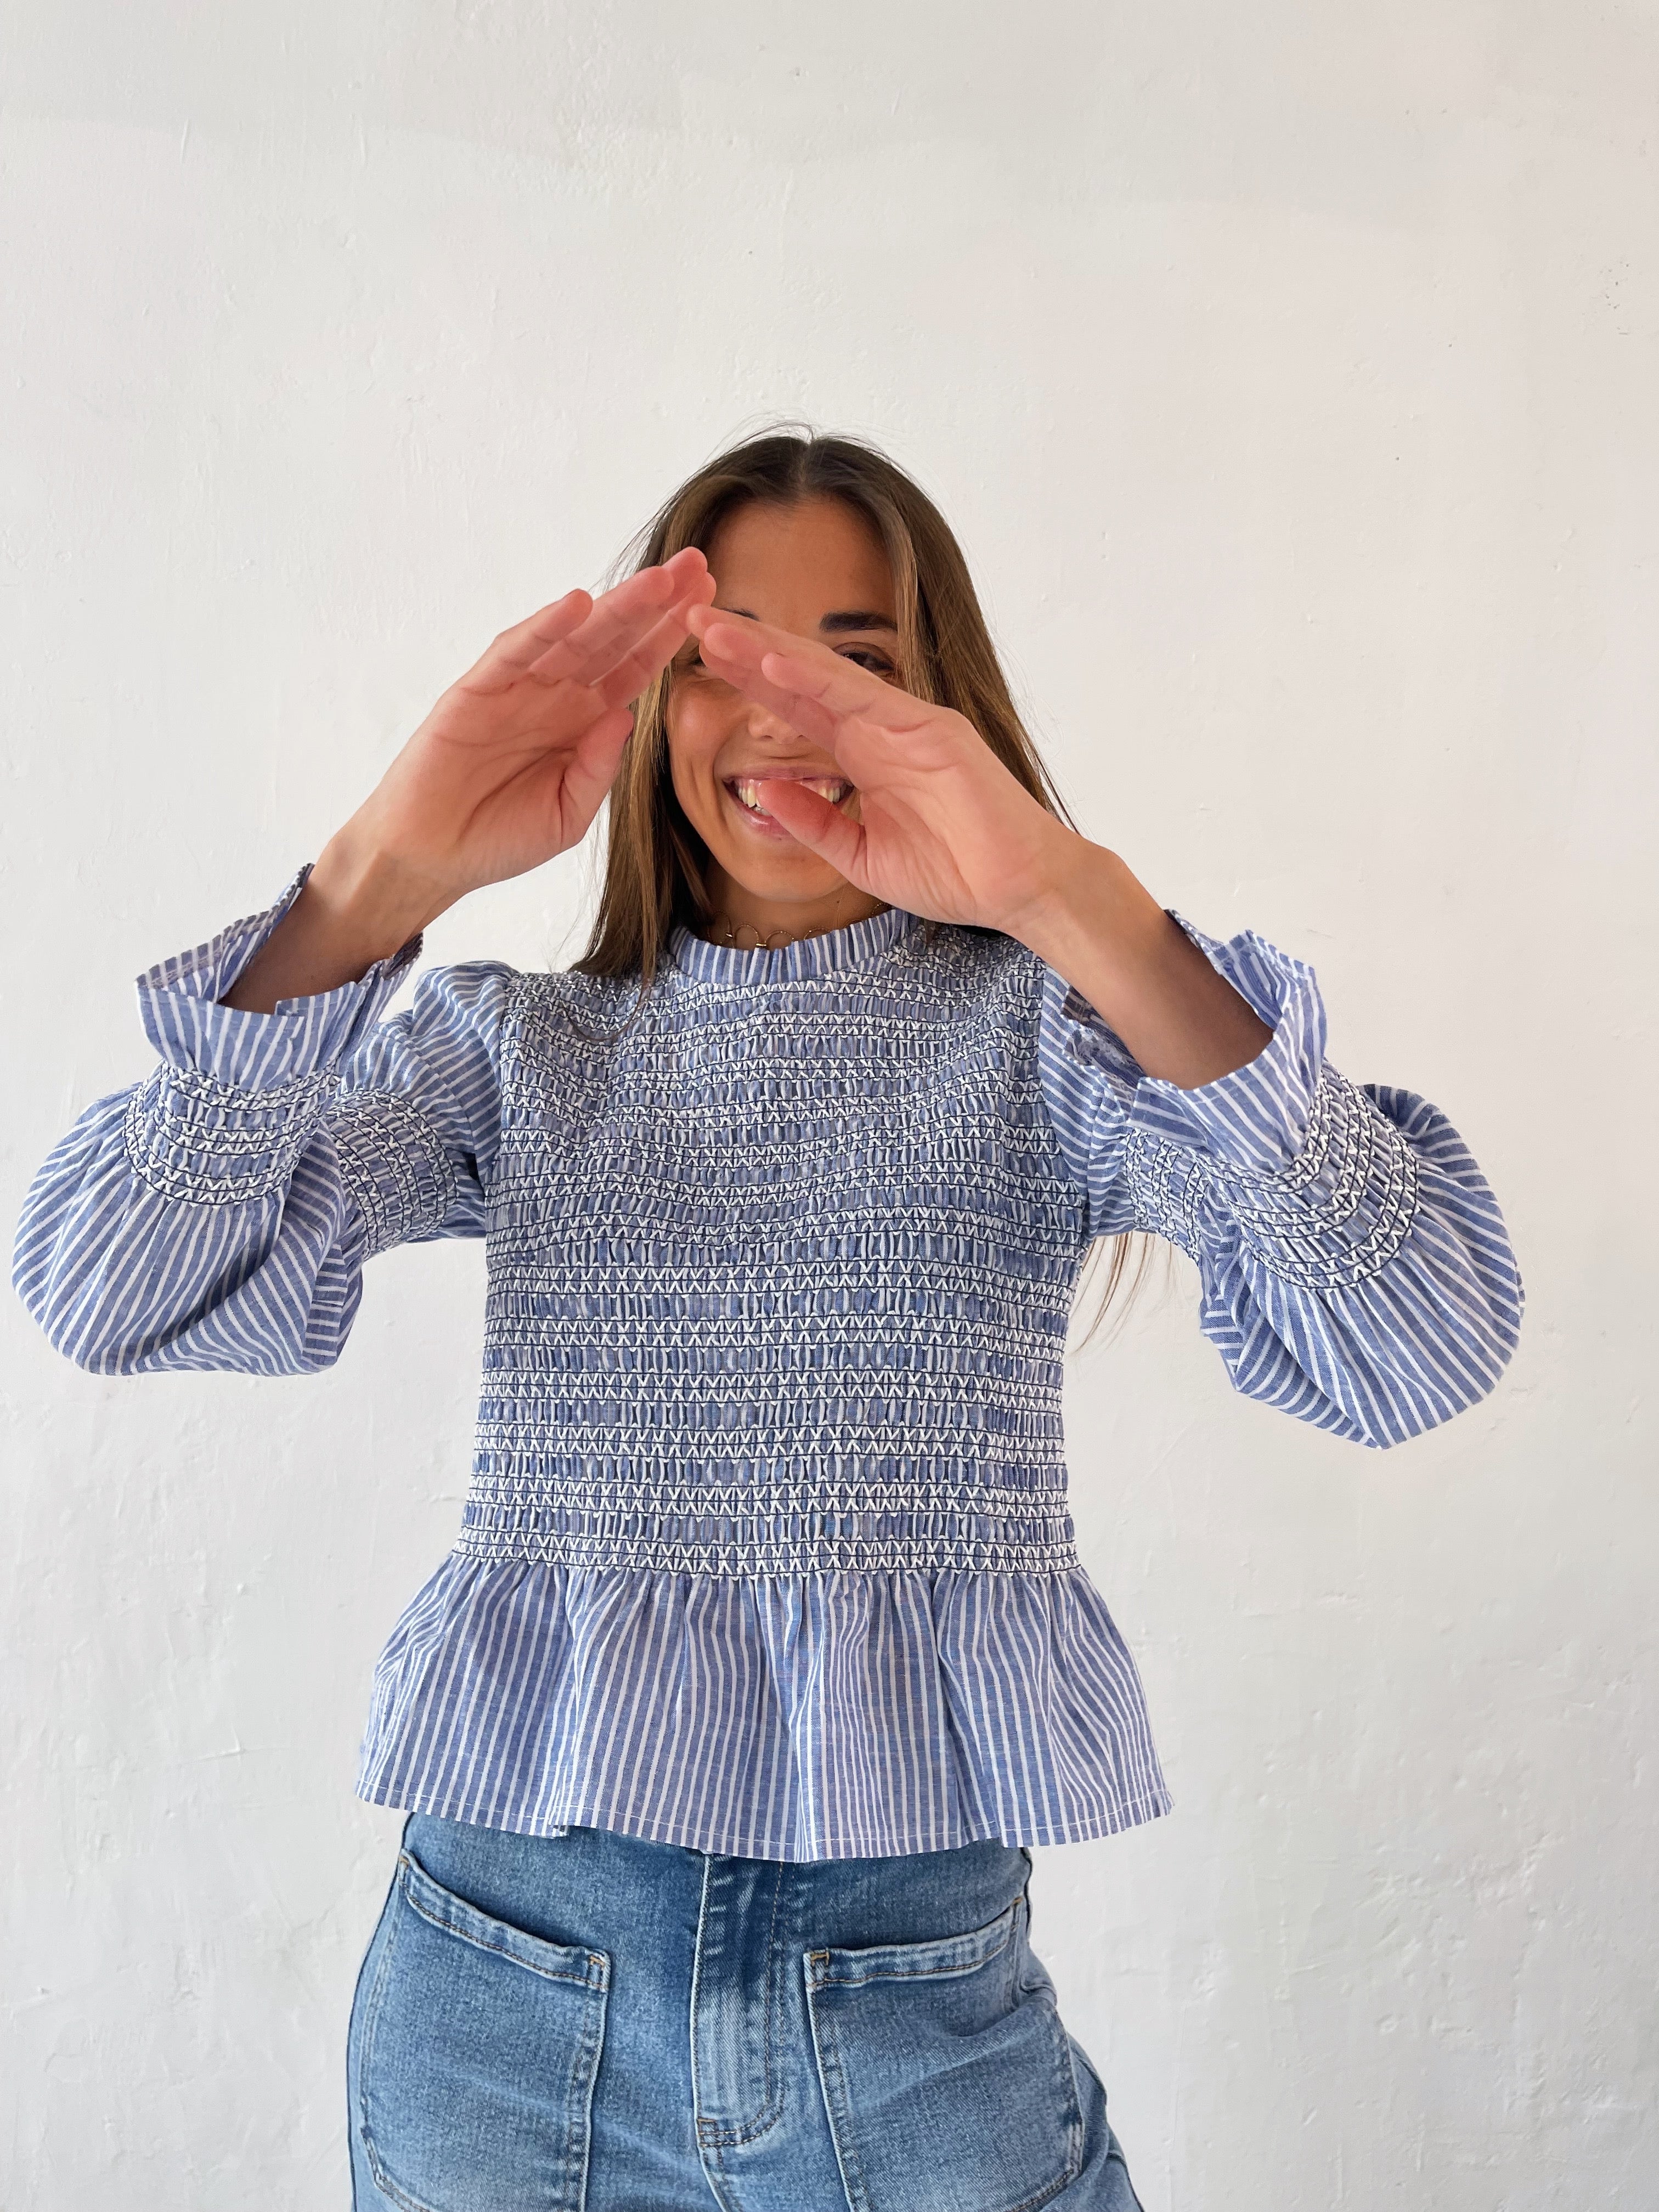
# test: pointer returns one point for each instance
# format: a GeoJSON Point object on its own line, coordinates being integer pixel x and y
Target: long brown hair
{"type": "Point", "coordinates": [654, 868]}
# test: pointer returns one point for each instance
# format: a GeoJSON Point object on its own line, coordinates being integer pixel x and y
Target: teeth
{"type": "Point", "coordinates": [834, 788]}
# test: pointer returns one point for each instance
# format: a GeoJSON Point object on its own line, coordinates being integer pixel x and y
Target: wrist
{"type": "Point", "coordinates": [1097, 926]}
{"type": "Point", "coordinates": [1080, 893]}
{"type": "Point", "coordinates": [368, 897]}
{"type": "Point", "coordinates": [350, 914]}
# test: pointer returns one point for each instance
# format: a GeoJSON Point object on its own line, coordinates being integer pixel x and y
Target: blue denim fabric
{"type": "Point", "coordinates": [593, 2023]}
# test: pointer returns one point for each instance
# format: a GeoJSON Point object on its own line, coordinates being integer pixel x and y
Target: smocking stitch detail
{"type": "Point", "coordinates": [393, 1166]}
{"type": "Point", "coordinates": [1169, 1185]}
{"type": "Point", "coordinates": [665, 1551]}
{"type": "Point", "coordinates": [200, 1142]}
{"type": "Point", "coordinates": [1353, 1162]}
{"type": "Point", "coordinates": [780, 1278]}
{"type": "Point", "coordinates": [189, 1091]}
{"type": "Point", "coordinates": [587, 1491]}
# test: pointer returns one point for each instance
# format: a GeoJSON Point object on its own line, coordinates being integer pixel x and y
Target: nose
{"type": "Point", "coordinates": [768, 727]}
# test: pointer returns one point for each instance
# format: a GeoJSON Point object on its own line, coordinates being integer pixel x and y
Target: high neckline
{"type": "Point", "coordinates": [856, 945]}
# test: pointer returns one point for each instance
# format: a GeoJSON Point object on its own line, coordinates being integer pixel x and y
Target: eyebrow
{"type": "Point", "coordinates": [836, 624]}
{"type": "Point", "coordinates": [856, 619]}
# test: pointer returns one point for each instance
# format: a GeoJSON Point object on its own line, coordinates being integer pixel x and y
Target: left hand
{"type": "Point", "coordinates": [944, 828]}
{"type": "Point", "coordinates": [945, 831]}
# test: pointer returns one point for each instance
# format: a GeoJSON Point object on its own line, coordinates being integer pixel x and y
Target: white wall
{"type": "Point", "coordinates": [1289, 372]}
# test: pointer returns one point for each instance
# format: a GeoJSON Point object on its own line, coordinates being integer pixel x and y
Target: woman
{"type": "Point", "coordinates": [764, 1652]}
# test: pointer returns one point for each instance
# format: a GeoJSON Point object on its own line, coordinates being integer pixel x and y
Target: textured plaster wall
{"type": "Point", "coordinates": [1289, 372]}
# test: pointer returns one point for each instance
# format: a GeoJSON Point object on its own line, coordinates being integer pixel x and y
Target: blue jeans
{"type": "Point", "coordinates": [590, 2023]}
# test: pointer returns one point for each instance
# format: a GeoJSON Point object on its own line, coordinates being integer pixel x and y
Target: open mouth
{"type": "Point", "coordinates": [746, 790]}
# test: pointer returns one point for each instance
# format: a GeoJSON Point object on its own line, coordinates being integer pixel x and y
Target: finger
{"type": "Point", "coordinates": [549, 626]}
{"type": "Point", "coordinates": [740, 638]}
{"type": "Point", "coordinates": [804, 682]}
{"type": "Point", "coordinates": [620, 618]}
{"type": "Point", "coordinates": [615, 623]}
{"type": "Point", "coordinates": [592, 771]}
{"type": "Point", "coordinates": [740, 666]}
{"type": "Point", "coordinates": [839, 685]}
{"type": "Point", "coordinates": [822, 828]}
{"type": "Point", "coordinates": [630, 677]}
{"type": "Point", "coordinates": [804, 715]}
{"type": "Point", "coordinates": [739, 641]}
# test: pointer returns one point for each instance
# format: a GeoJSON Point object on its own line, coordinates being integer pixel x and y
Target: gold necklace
{"type": "Point", "coordinates": [722, 930]}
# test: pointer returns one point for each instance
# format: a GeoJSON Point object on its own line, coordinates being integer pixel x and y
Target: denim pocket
{"type": "Point", "coordinates": [480, 2043]}
{"type": "Point", "coordinates": [946, 2073]}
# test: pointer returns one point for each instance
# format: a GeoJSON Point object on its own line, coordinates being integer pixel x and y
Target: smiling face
{"type": "Point", "coordinates": [818, 568]}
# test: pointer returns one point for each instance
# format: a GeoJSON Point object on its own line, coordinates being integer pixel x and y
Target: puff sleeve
{"type": "Point", "coordinates": [1355, 1268]}
{"type": "Point", "coordinates": [218, 1214]}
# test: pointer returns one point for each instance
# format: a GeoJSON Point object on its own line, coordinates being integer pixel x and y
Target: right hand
{"type": "Point", "coordinates": [508, 769]}
{"type": "Point", "coordinates": [511, 765]}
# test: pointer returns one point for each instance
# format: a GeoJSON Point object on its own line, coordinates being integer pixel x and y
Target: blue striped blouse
{"type": "Point", "coordinates": [767, 1549]}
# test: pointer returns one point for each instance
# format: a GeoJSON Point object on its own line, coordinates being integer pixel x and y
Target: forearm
{"type": "Point", "coordinates": [356, 907]}
{"type": "Point", "coordinates": [1094, 924]}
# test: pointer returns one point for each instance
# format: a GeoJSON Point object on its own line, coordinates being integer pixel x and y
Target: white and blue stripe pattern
{"type": "Point", "coordinates": [766, 1550]}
